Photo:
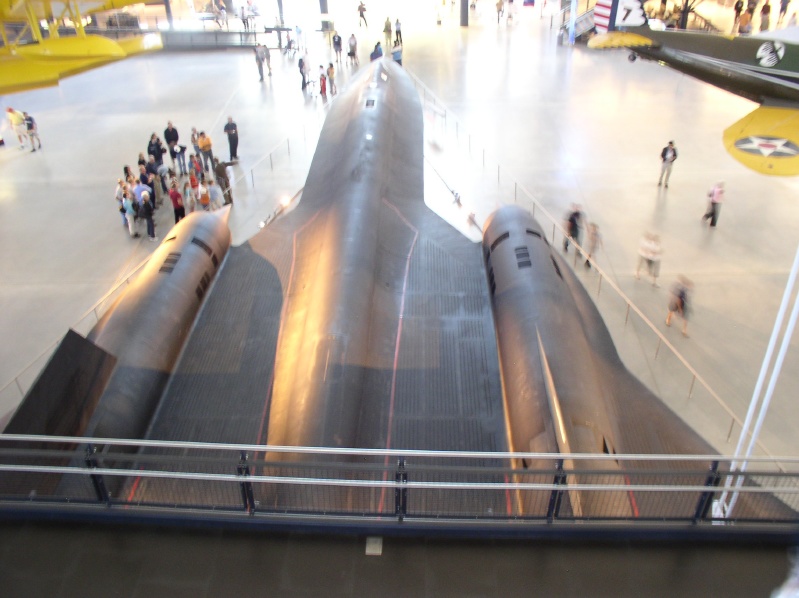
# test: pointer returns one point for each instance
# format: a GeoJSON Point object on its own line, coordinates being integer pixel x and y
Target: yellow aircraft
{"type": "Point", "coordinates": [45, 60]}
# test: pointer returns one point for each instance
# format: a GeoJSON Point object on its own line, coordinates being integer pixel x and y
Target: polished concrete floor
{"type": "Point", "coordinates": [567, 124]}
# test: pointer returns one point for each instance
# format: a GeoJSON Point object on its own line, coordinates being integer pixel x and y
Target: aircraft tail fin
{"type": "Point", "coordinates": [612, 14]}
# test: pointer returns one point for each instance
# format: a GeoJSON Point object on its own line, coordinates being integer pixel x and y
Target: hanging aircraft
{"type": "Point", "coordinates": [32, 59]}
{"type": "Point", "coordinates": [758, 68]}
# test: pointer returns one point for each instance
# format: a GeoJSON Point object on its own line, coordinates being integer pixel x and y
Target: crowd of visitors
{"type": "Point", "coordinates": [195, 182]}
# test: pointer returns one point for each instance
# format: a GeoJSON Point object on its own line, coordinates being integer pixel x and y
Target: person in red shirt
{"type": "Point", "coordinates": [177, 203]}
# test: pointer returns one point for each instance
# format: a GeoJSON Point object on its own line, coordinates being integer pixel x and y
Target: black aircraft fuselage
{"type": "Point", "coordinates": [758, 69]}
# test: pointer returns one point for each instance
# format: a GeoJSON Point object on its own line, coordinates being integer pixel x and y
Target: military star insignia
{"type": "Point", "coordinates": [768, 146]}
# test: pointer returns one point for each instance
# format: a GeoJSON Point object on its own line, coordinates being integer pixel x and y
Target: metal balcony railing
{"type": "Point", "coordinates": [198, 480]}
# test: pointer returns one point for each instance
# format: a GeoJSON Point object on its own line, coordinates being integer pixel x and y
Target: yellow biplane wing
{"type": "Point", "coordinates": [22, 11]}
{"type": "Point", "coordinates": [44, 61]}
{"type": "Point", "coordinates": [619, 39]}
{"type": "Point", "coordinates": [766, 140]}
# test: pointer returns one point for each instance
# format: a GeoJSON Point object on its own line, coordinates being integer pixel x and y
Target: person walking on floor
{"type": "Point", "coordinates": [305, 69]}
{"type": "Point", "coordinates": [594, 242]}
{"type": "Point", "coordinates": [398, 32]}
{"type": "Point", "coordinates": [678, 302]}
{"type": "Point", "coordinates": [189, 196]}
{"type": "Point", "coordinates": [260, 57]}
{"type": "Point", "coordinates": [322, 81]}
{"type": "Point", "coordinates": [195, 141]}
{"type": "Point", "coordinates": [667, 157]}
{"type": "Point", "coordinates": [745, 22]}
{"type": "Point", "coordinates": [171, 137]}
{"type": "Point", "coordinates": [220, 174]}
{"type": "Point", "coordinates": [232, 132]}
{"type": "Point", "coordinates": [649, 251]}
{"type": "Point", "coordinates": [783, 9]}
{"type": "Point", "coordinates": [353, 50]}
{"type": "Point", "coordinates": [573, 221]}
{"type": "Point", "coordinates": [387, 32]}
{"type": "Point", "coordinates": [32, 130]}
{"type": "Point", "coordinates": [331, 77]}
{"type": "Point", "coordinates": [337, 48]}
{"type": "Point", "coordinates": [362, 14]}
{"type": "Point", "coordinates": [177, 203]}
{"type": "Point", "coordinates": [738, 9]}
{"type": "Point", "coordinates": [396, 54]}
{"type": "Point", "coordinates": [178, 154]}
{"type": "Point", "coordinates": [206, 149]}
{"type": "Point", "coordinates": [217, 199]}
{"type": "Point", "coordinates": [716, 197]}
{"type": "Point", "coordinates": [147, 211]}
{"type": "Point", "coordinates": [268, 59]}
{"type": "Point", "coordinates": [765, 16]}
{"type": "Point", "coordinates": [131, 213]}
{"type": "Point", "coordinates": [17, 121]}
{"type": "Point", "coordinates": [119, 197]}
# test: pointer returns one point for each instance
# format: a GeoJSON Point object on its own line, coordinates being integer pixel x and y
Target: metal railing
{"type": "Point", "coordinates": [617, 308]}
{"type": "Point", "coordinates": [196, 480]}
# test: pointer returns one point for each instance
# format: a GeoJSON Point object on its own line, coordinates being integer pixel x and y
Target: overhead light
{"type": "Point", "coordinates": [368, 137]}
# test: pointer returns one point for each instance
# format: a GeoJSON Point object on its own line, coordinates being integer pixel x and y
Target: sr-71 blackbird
{"type": "Point", "coordinates": [361, 319]}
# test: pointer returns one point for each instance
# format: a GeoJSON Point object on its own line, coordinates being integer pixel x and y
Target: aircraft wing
{"type": "Point", "coordinates": [15, 11]}
{"type": "Point", "coordinates": [46, 63]}
{"type": "Point", "coordinates": [766, 140]}
{"type": "Point", "coordinates": [620, 39]}
{"type": "Point", "coordinates": [762, 70]}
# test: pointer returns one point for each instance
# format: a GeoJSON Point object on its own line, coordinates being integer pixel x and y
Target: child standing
{"type": "Point", "coordinates": [322, 81]}
{"type": "Point", "coordinates": [331, 76]}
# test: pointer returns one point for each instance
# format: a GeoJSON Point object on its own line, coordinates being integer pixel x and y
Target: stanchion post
{"type": "Point", "coordinates": [243, 470]}
{"type": "Point", "coordinates": [100, 491]}
{"type": "Point", "coordinates": [401, 491]}
{"type": "Point", "coordinates": [554, 498]}
{"type": "Point", "coordinates": [705, 499]}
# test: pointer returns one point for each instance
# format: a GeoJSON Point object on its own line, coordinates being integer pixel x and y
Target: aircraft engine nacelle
{"type": "Point", "coordinates": [147, 326]}
{"type": "Point", "coordinates": [553, 384]}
